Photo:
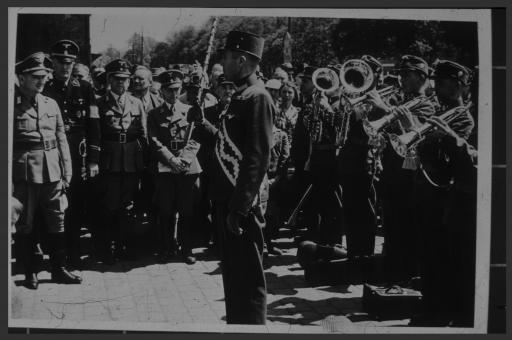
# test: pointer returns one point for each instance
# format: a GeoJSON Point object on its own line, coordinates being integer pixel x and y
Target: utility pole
{"type": "Point", "coordinates": [142, 45]}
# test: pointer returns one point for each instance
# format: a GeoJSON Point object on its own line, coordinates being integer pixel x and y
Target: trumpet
{"type": "Point", "coordinates": [403, 143]}
{"type": "Point", "coordinates": [373, 128]}
{"type": "Point", "coordinates": [384, 92]}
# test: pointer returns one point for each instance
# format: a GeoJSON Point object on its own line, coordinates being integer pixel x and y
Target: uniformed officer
{"type": "Point", "coordinates": [206, 157]}
{"type": "Point", "coordinates": [400, 234]}
{"type": "Point", "coordinates": [99, 81]}
{"type": "Point", "coordinates": [175, 165]}
{"type": "Point", "coordinates": [123, 136]}
{"type": "Point", "coordinates": [41, 170]}
{"type": "Point", "coordinates": [141, 88]}
{"type": "Point", "coordinates": [242, 154]}
{"type": "Point", "coordinates": [77, 103]}
{"type": "Point", "coordinates": [445, 198]}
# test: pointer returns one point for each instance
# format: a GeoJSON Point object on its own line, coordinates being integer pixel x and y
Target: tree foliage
{"type": "Point", "coordinates": [319, 41]}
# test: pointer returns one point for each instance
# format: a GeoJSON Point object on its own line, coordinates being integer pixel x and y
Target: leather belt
{"type": "Point", "coordinates": [121, 137]}
{"type": "Point", "coordinates": [45, 144]}
{"type": "Point", "coordinates": [176, 145]}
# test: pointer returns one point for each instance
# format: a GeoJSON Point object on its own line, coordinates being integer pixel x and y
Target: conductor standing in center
{"type": "Point", "coordinates": [243, 141]}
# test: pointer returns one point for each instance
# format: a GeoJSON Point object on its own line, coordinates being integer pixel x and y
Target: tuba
{"type": "Point", "coordinates": [356, 77]}
{"type": "Point", "coordinates": [373, 128]}
{"type": "Point", "coordinates": [403, 143]}
{"type": "Point", "coordinates": [326, 82]}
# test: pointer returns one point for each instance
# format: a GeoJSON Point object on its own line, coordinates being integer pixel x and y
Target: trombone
{"type": "Point", "coordinates": [403, 143]}
{"type": "Point", "coordinates": [373, 128]}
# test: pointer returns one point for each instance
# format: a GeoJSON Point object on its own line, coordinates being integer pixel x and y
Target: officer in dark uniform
{"type": "Point", "coordinates": [400, 234]}
{"type": "Point", "coordinates": [141, 89]}
{"type": "Point", "coordinates": [176, 174]}
{"type": "Point", "coordinates": [445, 198]}
{"type": "Point", "coordinates": [41, 170]}
{"type": "Point", "coordinates": [239, 183]}
{"type": "Point", "coordinates": [77, 103]}
{"type": "Point", "coordinates": [123, 136]}
{"type": "Point", "coordinates": [206, 156]}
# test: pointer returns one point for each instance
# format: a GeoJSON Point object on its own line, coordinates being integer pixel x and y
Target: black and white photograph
{"type": "Point", "coordinates": [243, 170]}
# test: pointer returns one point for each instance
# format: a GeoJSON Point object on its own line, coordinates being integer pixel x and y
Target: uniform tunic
{"type": "Point", "coordinates": [123, 134]}
{"type": "Point", "coordinates": [77, 104]}
{"type": "Point", "coordinates": [446, 215]}
{"type": "Point", "coordinates": [242, 155]}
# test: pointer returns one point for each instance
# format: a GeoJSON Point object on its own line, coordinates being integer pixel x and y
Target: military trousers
{"type": "Point", "coordinates": [77, 195]}
{"type": "Point", "coordinates": [117, 205]}
{"type": "Point", "coordinates": [242, 269]}
{"type": "Point", "coordinates": [49, 197]}
{"type": "Point", "coordinates": [175, 194]}
{"type": "Point", "coordinates": [359, 217]}
{"type": "Point", "coordinates": [401, 238]}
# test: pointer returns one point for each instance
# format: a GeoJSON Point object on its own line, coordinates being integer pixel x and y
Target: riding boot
{"type": "Point", "coordinates": [27, 254]}
{"type": "Point", "coordinates": [57, 245]}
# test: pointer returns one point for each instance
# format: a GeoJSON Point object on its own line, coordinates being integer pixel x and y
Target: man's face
{"type": "Point", "coordinates": [275, 94]}
{"type": "Point", "coordinates": [306, 86]}
{"type": "Point", "coordinates": [226, 91]}
{"type": "Point", "coordinates": [411, 81]}
{"type": "Point", "coordinates": [62, 70]}
{"type": "Point", "coordinates": [119, 85]}
{"type": "Point", "coordinates": [33, 83]}
{"type": "Point", "coordinates": [141, 80]}
{"type": "Point", "coordinates": [80, 74]}
{"type": "Point", "coordinates": [231, 65]}
{"type": "Point", "coordinates": [171, 95]}
{"type": "Point", "coordinates": [448, 88]}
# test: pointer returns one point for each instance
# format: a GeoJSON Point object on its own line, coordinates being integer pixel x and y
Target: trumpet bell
{"type": "Point", "coordinates": [401, 144]}
{"type": "Point", "coordinates": [325, 80]}
{"type": "Point", "coordinates": [356, 76]}
{"type": "Point", "coordinates": [372, 129]}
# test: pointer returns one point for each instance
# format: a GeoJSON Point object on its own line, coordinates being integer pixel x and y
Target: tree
{"type": "Point", "coordinates": [140, 50]}
{"type": "Point", "coordinates": [109, 54]}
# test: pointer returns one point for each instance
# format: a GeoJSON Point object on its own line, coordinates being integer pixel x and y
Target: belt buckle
{"type": "Point", "coordinates": [47, 145]}
{"type": "Point", "coordinates": [122, 137]}
{"type": "Point", "coordinates": [174, 145]}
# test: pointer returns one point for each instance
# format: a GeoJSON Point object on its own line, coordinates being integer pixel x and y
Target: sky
{"type": "Point", "coordinates": [117, 26]}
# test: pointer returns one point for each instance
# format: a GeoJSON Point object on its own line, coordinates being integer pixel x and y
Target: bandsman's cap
{"type": "Point", "coordinates": [245, 42]}
{"type": "Point", "coordinates": [308, 72]}
{"type": "Point", "coordinates": [288, 67]}
{"type": "Point", "coordinates": [413, 63]}
{"type": "Point", "coordinates": [118, 68]}
{"type": "Point", "coordinates": [451, 69]}
{"type": "Point", "coordinates": [37, 64]}
{"type": "Point", "coordinates": [65, 50]}
{"type": "Point", "coordinates": [373, 62]}
{"type": "Point", "coordinates": [223, 81]}
{"type": "Point", "coordinates": [170, 78]}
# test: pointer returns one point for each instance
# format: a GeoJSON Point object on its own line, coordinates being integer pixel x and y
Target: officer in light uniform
{"type": "Point", "coordinates": [41, 170]}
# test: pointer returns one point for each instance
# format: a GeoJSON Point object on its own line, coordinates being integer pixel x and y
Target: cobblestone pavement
{"type": "Point", "coordinates": [176, 293]}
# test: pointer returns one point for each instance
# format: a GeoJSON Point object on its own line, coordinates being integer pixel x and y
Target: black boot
{"type": "Point", "coordinates": [60, 274]}
{"type": "Point", "coordinates": [26, 252]}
